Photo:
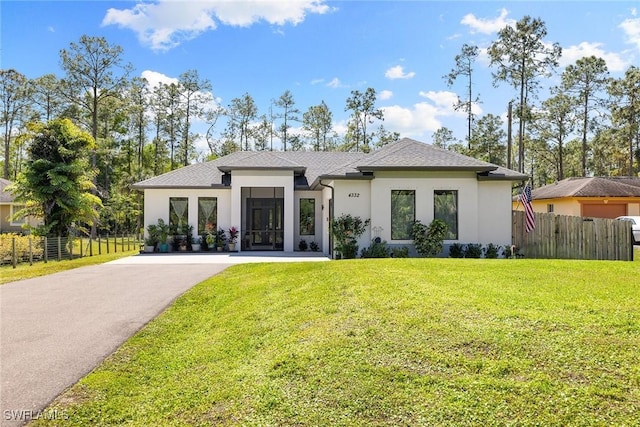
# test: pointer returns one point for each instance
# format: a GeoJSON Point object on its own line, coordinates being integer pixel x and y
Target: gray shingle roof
{"type": "Point", "coordinates": [5, 196]}
{"type": "Point", "coordinates": [590, 187]}
{"type": "Point", "coordinates": [406, 154]}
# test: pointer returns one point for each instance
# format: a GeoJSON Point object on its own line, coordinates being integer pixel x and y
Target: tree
{"type": "Point", "coordinates": [196, 93]}
{"type": "Point", "coordinates": [554, 124]}
{"type": "Point", "coordinates": [138, 107]}
{"type": "Point", "coordinates": [241, 112]}
{"type": "Point", "coordinates": [521, 56]}
{"type": "Point", "coordinates": [464, 67]}
{"type": "Point", "coordinates": [94, 71]}
{"type": "Point", "coordinates": [318, 121]}
{"type": "Point", "coordinates": [364, 112]}
{"type": "Point", "coordinates": [444, 138]}
{"type": "Point", "coordinates": [488, 140]}
{"type": "Point", "coordinates": [289, 114]}
{"type": "Point", "coordinates": [47, 97]}
{"type": "Point", "coordinates": [584, 81]}
{"type": "Point", "coordinates": [625, 110]}
{"type": "Point", "coordinates": [57, 181]}
{"type": "Point", "coordinates": [14, 96]}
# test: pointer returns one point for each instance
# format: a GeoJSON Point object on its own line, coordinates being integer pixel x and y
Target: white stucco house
{"type": "Point", "coordinates": [277, 199]}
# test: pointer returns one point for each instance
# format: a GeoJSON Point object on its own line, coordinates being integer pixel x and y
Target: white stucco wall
{"type": "Point", "coordinates": [354, 197]}
{"type": "Point", "coordinates": [156, 205]}
{"type": "Point", "coordinates": [424, 184]}
{"type": "Point", "coordinates": [494, 213]}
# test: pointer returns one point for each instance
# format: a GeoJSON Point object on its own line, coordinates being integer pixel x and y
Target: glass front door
{"type": "Point", "coordinates": [264, 224]}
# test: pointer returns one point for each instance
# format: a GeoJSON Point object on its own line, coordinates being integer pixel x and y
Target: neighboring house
{"type": "Point", "coordinates": [7, 208]}
{"type": "Point", "coordinates": [280, 198]}
{"type": "Point", "coordinates": [596, 197]}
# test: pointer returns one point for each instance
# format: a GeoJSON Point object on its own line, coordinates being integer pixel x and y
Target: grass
{"type": "Point", "coordinates": [26, 271]}
{"type": "Point", "coordinates": [381, 342]}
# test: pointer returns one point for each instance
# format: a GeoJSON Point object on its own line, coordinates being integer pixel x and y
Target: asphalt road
{"type": "Point", "coordinates": [56, 329]}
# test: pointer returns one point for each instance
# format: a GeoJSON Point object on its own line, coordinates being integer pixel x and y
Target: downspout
{"type": "Point", "coordinates": [330, 217]}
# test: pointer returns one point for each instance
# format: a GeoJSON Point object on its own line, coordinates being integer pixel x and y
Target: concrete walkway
{"type": "Point", "coordinates": [55, 329]}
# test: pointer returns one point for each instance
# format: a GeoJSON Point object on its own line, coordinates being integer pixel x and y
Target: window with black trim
{"type": "Point", "coordinates": [403, 213]}
{"type": "Point", "coordinates": [207, 215]}
{"type": "Point", "coordinates": [178, 214]}
{"type": "Point", "coordinates": [307, 217]}
{"type": "Point", "coordinates": [445, 208]}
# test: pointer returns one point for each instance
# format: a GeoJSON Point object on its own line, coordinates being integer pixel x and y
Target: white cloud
{"type": "Point", "coordinates": [487, 25]}
{"type": "Point", "coordinates": [317, 81]}
{"type": "Point", "coordinates": [335, 83]}
{"type": "Point", "coordinates": [397, 72]}
{"type": "Point", "coordinates": [385, 94]}
{"type": "Point", "coordinates": [167, 23]}
{"type": "Point", "coordinates": [154, 78]}
{"type": "Point", "coordinates": [615, 61]}
{"type": "Point", "coordinates": [631, 28]}
{"type": "Point", "coordinates": [423, 118]}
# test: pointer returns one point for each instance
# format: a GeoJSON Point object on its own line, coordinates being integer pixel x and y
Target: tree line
{"type": "Point", "coordinates": [587, 125]}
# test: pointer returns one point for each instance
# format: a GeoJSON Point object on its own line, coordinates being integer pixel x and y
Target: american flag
{"type": "Point", "coordinates": [525, 198]}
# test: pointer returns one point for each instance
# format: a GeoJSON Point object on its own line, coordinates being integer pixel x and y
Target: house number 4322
{"type": "Point", "coordinates": [354, 194]}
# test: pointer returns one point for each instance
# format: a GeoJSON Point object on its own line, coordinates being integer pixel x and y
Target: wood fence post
{"type": "Point", "coordinates": [14, 257]}
{"type": "Point", "coordinates": [59, 249]}
{"type": "Point", "coordinates": [46, 249]}
{"type": "Point", "coordinates": [30, 251]}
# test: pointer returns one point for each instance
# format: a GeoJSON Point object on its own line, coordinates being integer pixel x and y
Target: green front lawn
{"type": "Point", "coordinates": [382, 342]}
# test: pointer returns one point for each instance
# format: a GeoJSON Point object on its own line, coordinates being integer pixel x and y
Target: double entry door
{"type": "Point", "coordinates": [264, 224]}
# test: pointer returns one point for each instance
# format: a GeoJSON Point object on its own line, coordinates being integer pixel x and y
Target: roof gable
{"type": "Point", "coordinates": [590, 187]}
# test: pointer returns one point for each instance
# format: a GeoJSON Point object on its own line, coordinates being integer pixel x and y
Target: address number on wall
{"type": "Point", "coordinates": [354, 194]}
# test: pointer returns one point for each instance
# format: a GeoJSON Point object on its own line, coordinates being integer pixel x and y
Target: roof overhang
{"type": "Point", "coordinates": [295, 169]}
{"type": "Point", "coordinates": [478, 169]}
{"type": "Point", "coordinates": [179, 187]}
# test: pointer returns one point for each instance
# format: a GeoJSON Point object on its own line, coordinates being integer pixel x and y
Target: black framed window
{"type": "Point", "coordinates": [307, 217]}
{"type": "Point", "coordinates": [178, 214]}
{"type": "Point", "coordinates": [207, 214]}
{"type": "Point", "coordinates": [403, 213]}
{"type": "Point", "coordinates": [445, 204]}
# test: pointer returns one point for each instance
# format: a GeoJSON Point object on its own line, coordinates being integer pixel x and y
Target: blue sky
{"type": "Point", "coordinates": [320, 50]}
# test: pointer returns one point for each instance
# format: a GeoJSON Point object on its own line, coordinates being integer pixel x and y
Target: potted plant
{"type": "Point", "coordinates": [233, 236]}
{"type": "Point", "coordinates": [303, 245]}
{"type": "Point", "coordinates": [196, 245]}
{"type": "Point", "coordinates": [152, 238]}
{"type": "Point", "coordinates": [220, 237]}
{"type": "Point", "coordinates": [163, 235]}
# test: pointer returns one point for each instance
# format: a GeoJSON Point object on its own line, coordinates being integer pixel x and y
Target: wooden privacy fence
{"type": "Point", "coordinates": [573, 237]}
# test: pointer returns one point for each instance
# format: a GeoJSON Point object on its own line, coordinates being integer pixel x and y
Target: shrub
{"type": "Point", "coordinates": [378, 249]}
{"type": "Point", "coordinates": [428, 240]}
{"type": "Point", "coordinates": [402, 252]}
{"type": "Point", "coordinates": [314, 246]}
{"type": "Point", "coordinates": [473, 250]}
{"type": "Point", "coordinates": [491, 251]}
{"type": "Point", "coordinates": [303, 245]}
{"type": "Point", "coordinates": [456, 250]}
{"type": "Point", "coordinates": [22, 247]}
{"type": "Point", "coordinates": [346, 229]}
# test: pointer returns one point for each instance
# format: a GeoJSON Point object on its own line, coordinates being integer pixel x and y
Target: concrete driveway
{"type": "Point", "coordinates": [55, 329]}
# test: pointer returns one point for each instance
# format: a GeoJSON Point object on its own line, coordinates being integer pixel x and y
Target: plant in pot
{"type": "Point", "coordinates": [196, 244]}
{"type": "Point", "coordinates": [233, 236]}
{"type": "Point", "coordinates": [220, 238]}
{"type": "Point", "coordinates": [163, 235]}
{"type": "Point", "coordinates": [151, 241]}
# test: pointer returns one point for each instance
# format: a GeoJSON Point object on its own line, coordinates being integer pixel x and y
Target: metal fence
{"type": "Point", "coordinates": [573, 237]}
{"type": "Point", "coordinates": [16, 249]}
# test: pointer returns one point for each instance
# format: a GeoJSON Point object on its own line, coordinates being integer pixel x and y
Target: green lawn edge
{"type": "Point", "coordinates": [381, 342]}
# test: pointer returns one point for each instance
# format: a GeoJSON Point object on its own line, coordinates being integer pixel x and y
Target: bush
{"type": "Point", "coordinates": [303, 245]}
{"type": "Point", "coordinates": [428, 240]}
{"type": "Point", "coordinates": [22, 247]}
{"type": "Point", "coordinates": [491, 251]}
{"type": "Point", "coordinates": [314, 246]}
{"type": "Point", "coordinates": [346, 229]}
{"type": "Point", "coordinates": [378, 249]}
{"type": "Point", "coordinates": [402, 252]}
{"type": "Point", "coordinates": [473, 250]}
{"type": "Point", "coordinates": [456, 250]}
